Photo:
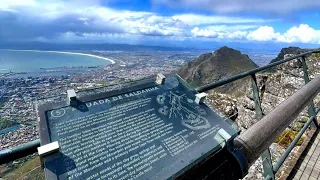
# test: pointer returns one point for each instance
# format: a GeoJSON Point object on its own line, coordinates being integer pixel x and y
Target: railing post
{"type": "Point", "coordinates": [265, 156]}
{"type": "Point", "coordinates": [311, 109]}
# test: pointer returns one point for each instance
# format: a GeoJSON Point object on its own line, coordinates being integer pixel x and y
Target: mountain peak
{"type": "Point", "coordinates": [288, 50]}
{"type": "Point", "coordinates": [212, 67]}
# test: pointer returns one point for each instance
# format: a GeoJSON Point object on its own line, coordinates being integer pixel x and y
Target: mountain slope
{"type": "Point", "coordinates": [211, 67]}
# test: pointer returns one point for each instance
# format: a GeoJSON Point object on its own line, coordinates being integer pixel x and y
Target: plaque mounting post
{"type": "Point", "coordinates": [200, 97]}
{"type": "Point", "coordinates": [72, 97]}
{"type": "Point", "coordinates": [160, 79]}
{"type": "Point", "coordinates": [47, 150]}
{"type": "Point", "coordinates": [222, 135]}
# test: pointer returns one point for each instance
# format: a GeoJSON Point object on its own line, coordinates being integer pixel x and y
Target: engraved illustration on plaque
{"type": "Point", "coordinates": [164, 110]}
{"type": "Point", "coordinates": [191, 115]}
{"type": "Point", "coordinates": [161, 98]}
{"type": "Point", "coordinates": [58, 112]}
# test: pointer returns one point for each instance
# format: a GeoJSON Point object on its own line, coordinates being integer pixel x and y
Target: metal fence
{"type": "Point", "coordinates": [12, 154]}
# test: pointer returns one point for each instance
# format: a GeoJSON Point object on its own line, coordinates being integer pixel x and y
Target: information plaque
{"type": "Point", "coordinates": [146, 131]}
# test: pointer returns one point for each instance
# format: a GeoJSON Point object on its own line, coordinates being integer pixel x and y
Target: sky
{"type": "Point", "coordinates": [161, 21]}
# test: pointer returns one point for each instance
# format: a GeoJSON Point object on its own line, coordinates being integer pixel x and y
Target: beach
{"type": "Point", "coordinates": [65, 52]}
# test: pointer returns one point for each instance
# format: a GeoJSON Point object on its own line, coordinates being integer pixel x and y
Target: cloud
{"type": "Point", "coordinates": [194, 19]}
{"type": "Point", "coordinates": [296, 34]}
{"type": "Point", "coordinates": [88, 20]}
{"type": "Point", "coordinates": [263, 33]}
{"type": "Point", "coordinates": [52, 19]}
{"type": "Point", "coordinates": [236, 6]}
{"type": "Point", "coordinates": [204, 32]}
{"type": "Point", "coordinates": [7, 4]}
{"type": "Point", "coordinates": [234, 32]}
{"type": "Point", "coordinates": [303, 33]}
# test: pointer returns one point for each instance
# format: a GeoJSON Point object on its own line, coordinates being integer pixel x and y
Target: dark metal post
{"type": "Point", "coordinates": [311, 109]}
{"type": "Point", "coordinates": [266, 155]}
{"type": "Point", "coordinates": [255, 140]}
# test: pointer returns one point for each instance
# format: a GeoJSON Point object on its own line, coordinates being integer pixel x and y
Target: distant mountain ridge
{"type": "Point", "coordinates": [211, 67]}
{"type": "Point", "coordinates": [86, 46]}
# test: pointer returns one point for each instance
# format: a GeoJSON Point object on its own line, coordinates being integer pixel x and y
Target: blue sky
{"type": "Point", "coordinates": [161, 21]}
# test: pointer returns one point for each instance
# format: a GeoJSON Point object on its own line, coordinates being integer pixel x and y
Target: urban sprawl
{"type": "Point", "coordinates": [19, 92]}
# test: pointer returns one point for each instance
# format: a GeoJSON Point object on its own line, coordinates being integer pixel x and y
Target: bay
{"type": "Point", "coordinates": [35, 62]}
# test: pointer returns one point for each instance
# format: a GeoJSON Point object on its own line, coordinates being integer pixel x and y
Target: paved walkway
{"type": "Point", "coordinates": [310, 166]}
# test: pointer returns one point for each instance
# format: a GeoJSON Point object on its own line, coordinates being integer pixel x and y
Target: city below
{"type": "Point", "coordinates": [19, 91]}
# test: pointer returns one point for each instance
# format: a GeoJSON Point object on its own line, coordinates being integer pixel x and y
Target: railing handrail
{"type": "Point", "coordinates": [250, 72]}
{"type": "Point", "coordinates": [20, 151]}
{"type": "Point", "coordinates": [255, 140]}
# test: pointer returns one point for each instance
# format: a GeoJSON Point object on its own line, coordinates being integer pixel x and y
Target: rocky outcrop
{"type": "Point", "coordinates": [212, 67]}
{"type": "Point", "coordinates": [288, 50]}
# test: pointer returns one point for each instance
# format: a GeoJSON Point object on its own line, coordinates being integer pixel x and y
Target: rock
{"type": "Point", "coordinates": [288, 50]}
{"type": "Point", "coordinates": [211, 67]}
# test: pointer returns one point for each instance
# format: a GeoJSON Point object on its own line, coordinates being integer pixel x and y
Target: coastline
{"type": "Point", "coordinates": [65, 52]}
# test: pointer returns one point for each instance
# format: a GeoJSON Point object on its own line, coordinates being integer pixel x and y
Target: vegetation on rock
{"type": "Point", "coordinates": [287, 136]}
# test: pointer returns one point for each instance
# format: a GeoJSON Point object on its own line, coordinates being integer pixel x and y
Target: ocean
{"type": "Point", "coordinates": [36, 63]}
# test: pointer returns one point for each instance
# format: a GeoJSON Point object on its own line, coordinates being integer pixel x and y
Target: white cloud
{"type": "Point", "coordinates": [223, 32]}
{"type": "Point", "coordinates": [236, 6]}
{"type": "Point", "coordinates": [16, 3]}
{"type": "Point", "coordinates": [263, 33]}
{"type": "Point", "coordinates": [297, 34]}
{"type": "Point", "coordinates": [194, 19]}
{"type": "Point", "coordinates": [238, 35]}
{"type": "Point", "coordinates": [303, 33]}
{"type": "Point", "coordinates": [232, 28]}
{"type": "Point", "coordinates": [93, 18]}
{"type": "Point", "coordinates": [204, 32]}
{"type": "Point", "coordinates": [88, 19]}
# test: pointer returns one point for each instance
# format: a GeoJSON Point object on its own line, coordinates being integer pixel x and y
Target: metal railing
{"type": "Point", "coordinates": [269, 171]}
{"type": "Point", "coordinates": [262, 134]}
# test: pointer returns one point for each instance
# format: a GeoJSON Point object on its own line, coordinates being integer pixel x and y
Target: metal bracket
{"type": "Point", "coordinates": [224, 134]}
{"type": "Point", "coordinates": [72, 97]}
{"type": "Point", "coordinates": [160, 79]}
{"type": "Point", "coordinates": [48, 149]}
{"type": "Point", "coordinates": [222, 137]}
{"type": "Point", "coordinates": [200, 97]}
